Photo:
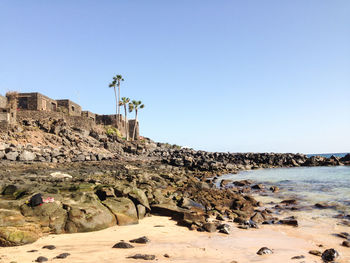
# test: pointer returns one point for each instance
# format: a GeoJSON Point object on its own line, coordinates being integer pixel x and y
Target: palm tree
{"type": "Point", "coordinates": [116, 83]}
{"type": "Point", "coordinates": [135, 105]}
{"type": "Point", "coordinates": [124, 101]}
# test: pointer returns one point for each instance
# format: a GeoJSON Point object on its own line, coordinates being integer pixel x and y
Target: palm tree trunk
{"type": "Point", "coordinates": [116, 106]}
{"type": "Point", "coordinates": [118, 101]}
{"type": "Point", "coordinates": [126, 124]}
{"type": "Point", "coordinates": [133, 134]}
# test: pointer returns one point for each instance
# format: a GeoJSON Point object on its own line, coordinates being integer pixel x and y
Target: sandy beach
{"type": "Point", "coordinates": [183, 245]}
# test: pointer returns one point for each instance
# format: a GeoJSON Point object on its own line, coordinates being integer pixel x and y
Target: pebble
{"type": "Point", "coordinates": [50, 247]}
{"type": "Point", "coordinates": [264, 250]}
{"type": "Point", "coordinates": [123, 244]}
{"type": "Point", "coordinates": [143, 256]}
{"type": "Point", "coordinates": [41, 259]}
{"type": "Point", "coordinates": [63, 255]}
{"type": "Point", "coordinates": [33, 250]}
{"type": "Point", "coordinates": [140, 240]}
{"type": "Point", "coordinates": [346, 243]}
{"type": "Point", "coordinates": [315, 253]}
{"type": "Point", "coordinates": [298, 257]}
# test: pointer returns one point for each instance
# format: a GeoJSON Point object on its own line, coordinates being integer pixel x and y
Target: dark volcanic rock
{"type": "Point", "coordinates": [143, 256]}
{"type": "Point", "coordinates": [346, 243]}
{"type": "Point", "coordinates": [50, 247]}
{"type": "Point", "coordinates": [62, 255]}
{"type": "Point", "coordinates": [315, 253]}
{"type": "Point", "coordinates": [41, 259]}
{"type": "Point", "coordinates": [329, 255]}
{"type": "Point", "coordinates": [209, 227]}
{"type": "Point", "coordinates": [264, 250]}
{"type": "Point", "coordinates": [298, 257]}
{"type": "Point", "coordinates": [123, 244]}
{"type": "Point", "coordinates": [140, 240]}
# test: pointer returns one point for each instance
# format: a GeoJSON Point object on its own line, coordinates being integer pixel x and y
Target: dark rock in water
{"type": "Point", "coordinates": [289, 202]}
{"type": "Point", "coordinates": [315, 253]}
{"type": "Point", "coordinates": [209, 227]}
{"type": "Point", "coordinates": [225, 182]}
{"type": "Point", "coordinates": [140, 240]}
{"type": "Point", "coordinates": [41, 259]}
{"type": "Point", "coordinates": [143, 256]}
{"type": "Point", "coordinates": [258, 187]}
{"type": "Point", "coordinates": [264, 250]}
{"type": "Point", "coordinates": [63, 255]}
{"type": "Point", "coordinates": [329, 255]}
{"type": "Point", "coordinates": [50, 247]}
{"type": "Point", "coordinates": [323, 205]}
{"type": "Point", "coordinates": [274, 189]}
{"type": "Point", "coordinates": [298, 257]}
{"type": "Point", "coordinates": [346, 243]}
{"type": "Point", "coordinates": [123, 244]}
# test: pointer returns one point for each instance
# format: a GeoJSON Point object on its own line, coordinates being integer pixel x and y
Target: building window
{"type": "Point", "coordinates": [53, 106]}
{"type": "Point", "coordinates": [23, 103]}
{"type": "Point", "coordinates": [73, 109]}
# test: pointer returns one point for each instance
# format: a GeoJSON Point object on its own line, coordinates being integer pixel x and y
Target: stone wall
{"type": "Point", "coordinates": [72, 108]}
{"type": "Point", "coordinates": [89, 115]}
{"type": "Point", "coordinates": [73, 121]}
{"type": "Point", "coordinates": [3, 102]}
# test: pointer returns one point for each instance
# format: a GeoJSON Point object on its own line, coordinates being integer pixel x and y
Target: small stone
{"type": "Point", "coordinates": [298, 257]}
{"type": "Point", "coordinates": [289, 222]}
{"type": "Point", "coordinates": [143, 256]}
{"type": "Point", "coordinates": [264, 250]}
{"type": "Point", "coordinates": [33, 250]}
{"type": "Point", "coordinates": [50, 247]}
{"type": "Point", "coordinates": [123, 244]}
{"type": "Point", "coordinates": [343, 235]}
{"type": "Point", "coordinates": [63, 255]}
{"type": "Point", "coordinates": [315, 253]}
{"type": "Point", "coordinates": [329, 255]}
{"type": "Point", "coordinates": [140, 240]}
{"type": "Point", "coordinates": [166, 256]}
{"type": "Point", "coordinates": [41, 259]}
{"type": "Point", "coordinates": [346, 243]}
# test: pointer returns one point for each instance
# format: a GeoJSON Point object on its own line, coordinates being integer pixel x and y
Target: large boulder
{"type": "Point", "coordinates": [123, 209]}
{"type": "Point", "coordinates": [50, 215]}
{"type": "Point", "coordinates": [86, 213]}
{"type": "Point", "coordinates": [19, 235]}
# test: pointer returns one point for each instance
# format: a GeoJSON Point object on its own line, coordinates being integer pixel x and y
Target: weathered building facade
{"type": "Point", "coordinates": [36, 101]}
{"type": "Point", "coordinates": [69, 107]}
{"type": "Point", "coordinates": [89, 115]}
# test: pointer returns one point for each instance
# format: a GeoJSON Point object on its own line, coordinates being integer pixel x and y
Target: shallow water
{"type": "Point", "coordinates": [310, 184]}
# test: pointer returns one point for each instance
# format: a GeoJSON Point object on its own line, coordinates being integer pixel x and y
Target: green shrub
{"type": "Point", "coordinates": [112, 131]}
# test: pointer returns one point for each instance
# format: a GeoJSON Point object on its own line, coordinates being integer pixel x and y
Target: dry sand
{"type": "Point", "coordinates": [183, 245]}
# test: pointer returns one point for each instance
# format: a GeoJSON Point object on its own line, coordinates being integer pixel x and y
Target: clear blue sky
{"type": "Point", "coordinates": [260, 76]}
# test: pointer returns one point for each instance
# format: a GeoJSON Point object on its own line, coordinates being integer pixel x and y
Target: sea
{"type": "Point", "coordinates": [309, 185]}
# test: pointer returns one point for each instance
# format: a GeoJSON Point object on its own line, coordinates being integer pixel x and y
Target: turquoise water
{"type": "Point", "coordinates": [310, 184]}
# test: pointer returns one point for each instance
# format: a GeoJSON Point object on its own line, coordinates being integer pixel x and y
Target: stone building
{"type": "Point", "coordinates": [89, 115]}
{"type": "Point", "coordinates": [69, 107]}
{"type": "Point", "coordinates": [36, 101]}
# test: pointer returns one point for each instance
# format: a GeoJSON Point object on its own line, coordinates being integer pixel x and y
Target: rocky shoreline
{"type": "Point", "coordinates": [95, 181]}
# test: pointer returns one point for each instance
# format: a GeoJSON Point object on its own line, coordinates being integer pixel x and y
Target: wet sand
{"type": "Point", "coordinates": [183, 245]}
